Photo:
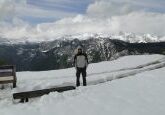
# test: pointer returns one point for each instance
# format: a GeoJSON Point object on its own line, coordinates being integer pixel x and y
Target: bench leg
{"type": "Point", "coordinates": [14, 85]}
{"type": "Point", "coordinates": [22, 100]}
{"type": "Point", "coordinates": [27, 100]}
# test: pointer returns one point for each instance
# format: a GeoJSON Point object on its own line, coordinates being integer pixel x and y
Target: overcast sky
{"type": "Point", "coordinates": [49, 18]}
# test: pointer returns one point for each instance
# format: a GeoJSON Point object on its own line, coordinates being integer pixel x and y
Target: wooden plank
{"type": "Point", "coordinates": [6, 78]}
{"type": "Point", "coordinates": [3, 74]}
{"type": "Point", "coordinates": [37, 93]}
{"type": "Point", "coordinates": [6, 70]}
{"type": "Point", "coordinates": [15, 78]}
{"type": "Point", "coordinates": [8, 81]}
{"type": "Point", "coordinates": [6, 67]}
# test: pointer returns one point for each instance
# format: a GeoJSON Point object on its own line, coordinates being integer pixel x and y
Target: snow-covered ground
{"type": "Point", "coordinates": [140, 92]}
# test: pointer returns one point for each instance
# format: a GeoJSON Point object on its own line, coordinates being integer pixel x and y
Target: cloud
{"type": "Point", "coordinates": [142, 22]}
{"type": "Point", "coordinates": [136, 22]}
{"type": "Point", "coordinates": [102, 17]}
{"type": "Point", "coordinates": [57, 9]}
{"type": "Point", "coordinates": [104, 8]}
{"type": "Point", "coordinates": [6, 8]}
{"type": "Point", "coordinates": [35, 12]}
{"type": "Point", "coordinates": [9, 9]}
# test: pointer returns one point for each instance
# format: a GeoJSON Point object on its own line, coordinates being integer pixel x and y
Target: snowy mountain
{"type": "Point", "coordinates": [59, 54]}
{"type": "Point", "coordinates": [139, 92]}
{"type": "Point", "coordinates": [127, 37]}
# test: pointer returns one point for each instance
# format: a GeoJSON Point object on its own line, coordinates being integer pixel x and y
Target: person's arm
{"type": "Point", "coordinates": [86, 58]}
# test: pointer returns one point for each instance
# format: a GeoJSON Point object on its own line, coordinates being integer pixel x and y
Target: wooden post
{"type": "Point", "coordinates": [14, 74]}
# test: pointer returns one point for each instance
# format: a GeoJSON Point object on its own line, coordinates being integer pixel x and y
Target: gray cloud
{"type": "Point", "coordinates": [103, 8]}
{"type": "Point", "coordinates": [106, 8]}
{"type": "Point", "coordinates": [6, 8]}
{"type": "Point", "coordinates": [9, 9]}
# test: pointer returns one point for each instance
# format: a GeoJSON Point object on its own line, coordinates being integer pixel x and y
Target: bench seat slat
{"type": "Point", "coordinates": [6, 67]}
{"type": "Point", "coordinates": [37, 93]}
{"type": "Point", "coordinates": [6, 70]}
{"type": "Point", "coordinates": [6, 74]}
{"type": "Point", "coordinates": [7, 78]}
{"type": "Point", "coordinates": [5, 82]}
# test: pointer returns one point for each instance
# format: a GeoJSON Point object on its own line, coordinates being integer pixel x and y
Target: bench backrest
{"type": "Point", "coordinates": [7, 74]}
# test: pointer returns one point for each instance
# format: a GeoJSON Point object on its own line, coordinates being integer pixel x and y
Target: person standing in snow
{"type": "Point", "coordinates": [81, 64]}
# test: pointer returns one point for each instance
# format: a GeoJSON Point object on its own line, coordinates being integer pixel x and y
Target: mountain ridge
{"type": "Point", "coordinates": [127, 37]}
{"type": "Point", "coordinates": [58, 54]}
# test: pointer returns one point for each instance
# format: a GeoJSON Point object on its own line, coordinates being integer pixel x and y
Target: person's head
{"type": "Point", "coordinates": [79, 50]}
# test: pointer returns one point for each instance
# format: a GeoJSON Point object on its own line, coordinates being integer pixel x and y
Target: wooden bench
{"type": "Point", "coordinates": [8, 74]}
{"type": "Point", "coordinates": [24, 96]}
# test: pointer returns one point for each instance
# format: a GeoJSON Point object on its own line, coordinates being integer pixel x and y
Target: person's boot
{"type": "Point", "coordinates": [84, 81]}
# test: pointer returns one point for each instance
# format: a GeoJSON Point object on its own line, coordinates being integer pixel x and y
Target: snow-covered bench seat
{"type": "Point", "coordinates": [8, 74]}
{"type": "Point", "coordinates": [24, 96]}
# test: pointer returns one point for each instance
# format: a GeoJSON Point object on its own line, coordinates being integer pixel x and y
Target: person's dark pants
{"type": "Point", "coordinates": [78, 73]}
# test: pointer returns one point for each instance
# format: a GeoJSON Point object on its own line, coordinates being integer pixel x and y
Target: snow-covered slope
{"type": "Point", "coordinates": [128, 37]}
{"type": "Point", "coordinates": [141, 91]}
